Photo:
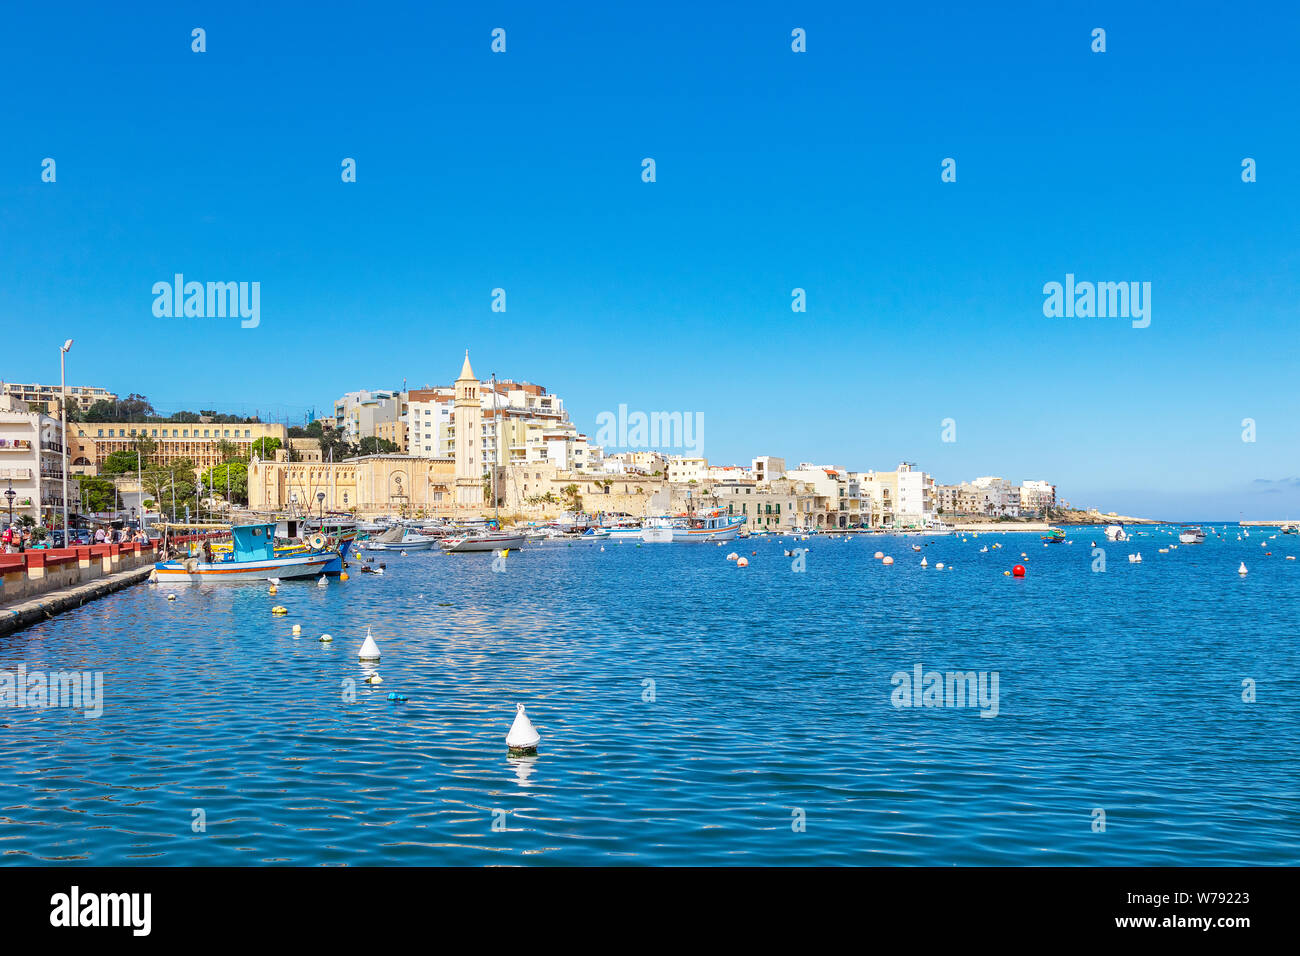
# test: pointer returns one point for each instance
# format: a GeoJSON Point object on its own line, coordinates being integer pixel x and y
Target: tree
{"type": "Point", "coordinates": [227, 450]}
{"type": "Point", "coordinates": [95, 493]}
{"type": "Point", "coordinates": [135, 408]}
{"type": "Point", "coordinates": [173, 481]}
{"type": "Point", "coordinates": [120, 462]}
{"type": "Point", "coordinates": [233, 472]}
{"type": "Point", "coordinates": [334, 447]}
{"type": "Point", "coordinates": [145, 447]}
{"type": "Point", "coordinates": [373, 445]}
{"type": "Point", "coordinates": [265, 448]}
{"type": "Point", "coordinates": [102, 411]}
{"type": "Point", "coordinates": [572, 499]}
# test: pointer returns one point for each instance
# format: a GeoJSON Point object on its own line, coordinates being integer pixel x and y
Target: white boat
{"type": "Point", "coordinates": [627, 529]}
{"type": "Point", "coordinates": [1116, 532]}
{"type": "Point", "coordinates": [1190, 534]}
{"type": "Point", "coordinates": [713, 526]}
{"type": "Point", "coordinates": [401, 539]}
{"type": "Point", "coordinates": [659, 529]}
{"type": "Point", "coordinates": [483, 541]}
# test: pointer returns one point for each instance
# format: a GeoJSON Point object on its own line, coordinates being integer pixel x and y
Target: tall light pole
{"type": "Point", "coordinates": [63, 417]}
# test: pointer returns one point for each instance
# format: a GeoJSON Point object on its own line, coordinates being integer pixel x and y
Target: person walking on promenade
{"type": "Point", "coordinates": [99, 535]}
{"type": "Point", "coordinates": [7, 539]}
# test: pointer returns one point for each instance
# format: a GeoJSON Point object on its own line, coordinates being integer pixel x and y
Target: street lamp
{"type": "Point", "coordinates": [11, 495]}
{"type": "Point", "coordinates": [320, 496]}
{"type": "Point", "coordinates": [63, 417]}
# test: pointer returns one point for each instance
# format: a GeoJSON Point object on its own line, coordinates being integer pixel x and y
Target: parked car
{"type": "Point", "coordinates": [76, 535]}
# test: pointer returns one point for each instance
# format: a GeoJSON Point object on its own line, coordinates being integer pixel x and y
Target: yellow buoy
{"type": "Point", "coordinates": [343, 576]}
{"type": "Point", "coordinates": [279, 609]}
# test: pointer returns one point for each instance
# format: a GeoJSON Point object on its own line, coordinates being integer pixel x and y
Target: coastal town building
{"type": "Point", "coordinates": [31, 462]}
{"type": "Point", "coordinates": [1037, 496]}
{"type": "Point", "coordinates": [206, 444]}
{"type": "Point", "coordinates": [45, 398]}
{"type": "Point", "coordinates": [399, 485]}
{"type": "Point", "coordinates": [357, 414]}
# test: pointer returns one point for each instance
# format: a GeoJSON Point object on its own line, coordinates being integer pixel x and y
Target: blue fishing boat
{"type": "Point", "coordinates": [252, 557]}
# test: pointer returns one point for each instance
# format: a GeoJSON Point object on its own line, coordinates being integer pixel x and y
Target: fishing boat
{"type": "Point", "coordinates": [658, 529]}
{"type": "Point", "coordinates": [252, 557]}
{"type": "Point", "coordinates": [1191, 534]}
{"type": "Point", "coordinates": [1053, 536]}
{"type": "Point", "coordinates": [711, 526]}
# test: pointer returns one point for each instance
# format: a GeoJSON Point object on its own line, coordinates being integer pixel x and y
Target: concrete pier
{"type": "Point", "coordinates": [36, 585]}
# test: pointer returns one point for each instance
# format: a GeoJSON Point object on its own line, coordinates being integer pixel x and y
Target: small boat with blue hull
{"type": "Point", "coordinates": [252, 557]}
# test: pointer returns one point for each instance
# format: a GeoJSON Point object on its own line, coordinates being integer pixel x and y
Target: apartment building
{"type": "Point", "coordinates": [44, 398]}
{"type": "Point", "coordinates": [31, 463]}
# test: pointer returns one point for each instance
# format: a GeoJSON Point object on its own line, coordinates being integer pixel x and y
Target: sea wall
{"type": "Point", "coordinates": [27, 576]}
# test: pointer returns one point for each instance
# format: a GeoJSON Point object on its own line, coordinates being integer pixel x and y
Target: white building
{"type": "Point", "coordinates": [1036, 496]}
{"type": "Point", "coordinates": [31, 463]}
{"type": "Point", "coordinates": [683, 469]}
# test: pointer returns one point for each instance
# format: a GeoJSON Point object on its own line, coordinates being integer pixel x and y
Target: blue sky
{"type": "Point", "coordinates": [775, 170]}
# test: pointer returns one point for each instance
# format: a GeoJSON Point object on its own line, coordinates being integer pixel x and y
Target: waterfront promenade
{"type": "Point", "coordinates": [36, 585]}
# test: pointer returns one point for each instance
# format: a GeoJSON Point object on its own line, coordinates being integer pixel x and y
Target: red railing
{"type": "Point", "coordinates": [57, 556]}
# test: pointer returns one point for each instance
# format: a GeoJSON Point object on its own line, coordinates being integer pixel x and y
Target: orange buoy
{"type": "Point", "coordinates": [887, 560]}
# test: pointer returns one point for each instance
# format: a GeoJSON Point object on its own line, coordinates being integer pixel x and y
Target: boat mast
{"type": "Point", "coordinates": [496, 452]}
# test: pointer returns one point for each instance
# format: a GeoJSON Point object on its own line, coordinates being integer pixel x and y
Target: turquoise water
{"type": "Point", "coordinates": [1119, 691]}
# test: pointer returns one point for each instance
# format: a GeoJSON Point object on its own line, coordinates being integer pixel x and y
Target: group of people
{"type": "Point", "coordinates": [120, 536]}
{"type": "Point", "coordinates": [14, 539]}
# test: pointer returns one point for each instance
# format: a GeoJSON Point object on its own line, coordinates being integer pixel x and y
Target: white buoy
{"type": "Point", "coordinates": [523, 737]}
{"type": "Point", "coordinates": [939, 566]}
{"type": "Point", "coordinates": [924, 563]}
{"type": "Point", "coordinates": [1242, 569]}
{"type": "Point", "coordinates": [275, 582]}
{"type": "Point", "coordinates": [374, 678]}
{"type": "Point", "coordinates": [369, 649]}
{"type": "Point", "coordinates": [297, 629]}
{"type": "Point", "coordinates": [325, 638]}
{"type": "Point", "coordinates": [171, 597]}
{"type": "Point", "coordinates": [322, 582]}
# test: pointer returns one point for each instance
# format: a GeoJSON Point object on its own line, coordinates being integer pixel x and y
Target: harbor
{"type": "Point", "coordinates": [685, 712]}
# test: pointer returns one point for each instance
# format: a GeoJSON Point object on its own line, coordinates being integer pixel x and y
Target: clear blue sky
{"type": "Point", "coordinates": [775, 170]}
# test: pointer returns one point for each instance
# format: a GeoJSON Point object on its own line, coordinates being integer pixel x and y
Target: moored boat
{"type": "Point", "coordinates": [710, 526]}
{"type": "Point", "coordinates": [252, 558]}
{"type": "Point", "coordinates": [1191, 534]}
{"type": "Point", "coordinates": [1054, 536]}
{"type": "Point", "coordinates": [483, 541]}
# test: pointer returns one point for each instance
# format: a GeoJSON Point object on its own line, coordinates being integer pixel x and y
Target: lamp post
{"type": "Point", "coordinates": [10, 495]}
{"type": "Point", "coordinates": [320, 497]}
{"type": "Point", "coordinates": [63, 418]}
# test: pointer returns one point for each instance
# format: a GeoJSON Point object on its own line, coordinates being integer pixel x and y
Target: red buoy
{"type": "Point", "coordinates": [1018, 571]}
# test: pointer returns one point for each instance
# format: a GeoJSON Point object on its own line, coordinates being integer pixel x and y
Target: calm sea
{"type": "Point", "coordinates": [691, 712]}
